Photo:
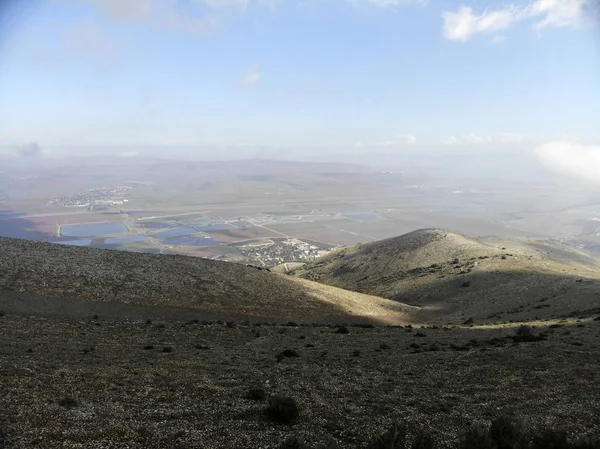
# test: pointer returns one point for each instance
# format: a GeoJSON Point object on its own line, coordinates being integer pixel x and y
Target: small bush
{"type": "Point", "coordinates": [384, 346]}
{"type": "Point", "coordinates": [342, 330]}
{"type": "Point", "coordinates": [423, 440]}
{"type": "Point", "coordinates": [526, 334]}
{"type": "Point", "coordinates": [256, 394]}
{"type": "Point", "coordinates": [292, 442]}
{"type": "Point", "coordinates": [167, 349]}
{"type": "Point", "coordinates": [420, 334]}
{"type": "Point", "coordinates": [283, 409]}
{"type": "Point", "coordinates": [550, 439]}
{"type": "Point", "coordinates": [508, 433]}
{"type": "Point", "coordinates": [364, 326]}
{"type": "Point", "coordinates": [230, 324]}
{"type": "Point", "coordinates": [469, 320]}
{"type": "Point", "coordinates": [394, 438]}
{"type": "Point", "coordinates": [286, 354]}
{"type": "Point", "coordinates": [68, 402]}
{"type": "Point", "coordinates": [477, 437]}
{"type": "Point", "coordinates": [148, 347]}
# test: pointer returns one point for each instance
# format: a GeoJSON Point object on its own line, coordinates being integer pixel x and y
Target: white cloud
{"type": "Point", "coordinates": [498, 39]}
{"type": "Point", "coordinates": [465, 23]}
{"type": "Point", "coordinates": [250, 79]}
{"type": "Point", "coordinates": [572, 159]}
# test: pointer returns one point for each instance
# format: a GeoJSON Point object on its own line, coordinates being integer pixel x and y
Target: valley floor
{"type": "Point", "coordinates": [112, 384]}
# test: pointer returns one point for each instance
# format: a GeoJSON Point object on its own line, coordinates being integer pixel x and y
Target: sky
{"type": "Point", "coordinates": [315, 76]}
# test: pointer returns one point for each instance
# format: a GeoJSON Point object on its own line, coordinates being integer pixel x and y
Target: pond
{"type": "Point", "coordinates": [92, 229]}
{"type": "Point", "coordinates": [125, 239]}
{"type": "Point", "coordinates": [175, 232]}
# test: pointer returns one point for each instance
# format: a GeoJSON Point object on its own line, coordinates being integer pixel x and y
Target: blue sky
{"type": "Point", "coordinates": [351, 74]}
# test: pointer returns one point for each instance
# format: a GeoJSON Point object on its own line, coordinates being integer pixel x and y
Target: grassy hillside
{"type": "Point", "coordinates": [51, 279]}
{"type": "Point", "coordinates": [451, 276]}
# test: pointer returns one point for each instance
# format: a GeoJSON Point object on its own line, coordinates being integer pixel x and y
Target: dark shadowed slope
{"type": "Point", "coordinates": [30, 270]}
{"type": "Point", "coordinates": [453, 276]}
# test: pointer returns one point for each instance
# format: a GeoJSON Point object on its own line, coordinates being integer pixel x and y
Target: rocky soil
{"type": "Point", "coordinates": [113, 384]}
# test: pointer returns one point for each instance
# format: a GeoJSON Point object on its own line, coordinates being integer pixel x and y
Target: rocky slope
{"type": "Point", "coordinates": [48, 278]}
{"type": "Point", "coordinates": [451, 276]}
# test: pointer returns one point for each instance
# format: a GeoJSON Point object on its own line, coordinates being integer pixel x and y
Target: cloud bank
{"type": "Point", "coordinates": [572, 159]}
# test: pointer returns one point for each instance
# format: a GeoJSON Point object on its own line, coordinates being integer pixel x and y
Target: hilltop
{"type": "Point", "coordinates": [452, 276]}
{"type": "Point", "coordinates": [51, 279]}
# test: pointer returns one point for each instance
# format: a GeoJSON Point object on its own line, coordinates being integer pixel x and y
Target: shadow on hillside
{"type": "Point", "coordinates": [504, 296]}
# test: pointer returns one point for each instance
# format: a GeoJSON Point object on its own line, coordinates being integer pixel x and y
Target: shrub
{"type": "Point", "coordinates": [469, 320]}
{"type": "Point", "coordinates": [364, 326]}
{"type": "Point", "coordinates": [423, 440]}
{"type": "Point", "coordinates": [384, 346]}
{"type": "Point", "coordinates": [394, 438]}
{"type": "Point", "coordinates": [283, 409]}
{"type": "Point", "coordinates": [286, 353]}
{"type": "Point", "coordinates": [256, 394]}
{"type": "Point", "coordinates": [525, 334]}
{"type": "Point", "coordinates": [230, 324]}
{"type": "Point", "coordinates": [342, 330]}
{"type": "Point", "coordinates": [148, 347]}
{"type": "Point", "coordinates": [477, 437]}
{"type": "Point", "coordinates": [68, 402]}
{"type": "Point", "coordinates": [420, 334]}
{"type": "Point", "coordinates": [167, 349]}
{"type": "Point", "coordinates": [508, 433]}
{"type": "Point", "coordinates": [550, 439]}
{"type": "Point", "coordinates": [292, 443]}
